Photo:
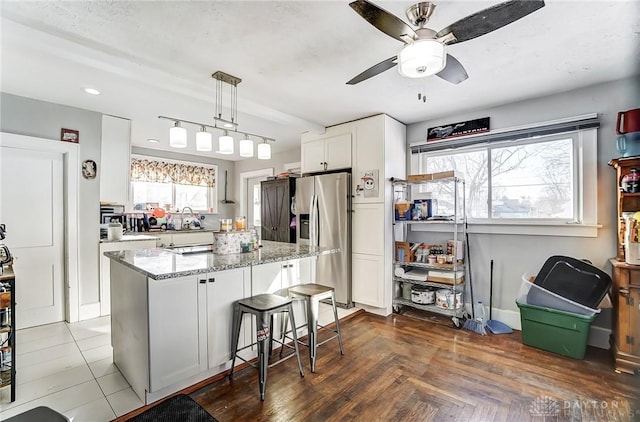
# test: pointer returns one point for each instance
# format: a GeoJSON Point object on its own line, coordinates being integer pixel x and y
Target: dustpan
{"type": "Point", "coordinates": [495, 327]}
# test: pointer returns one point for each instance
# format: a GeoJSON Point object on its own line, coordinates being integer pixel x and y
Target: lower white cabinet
{"type": "Point", "coordinates": [269, 278]}
{"type": "Point", "coordinates": [368, 279]}
{"type": "Point", "coordinates": [196, 336]}
{"type": "Point", "coordinates": [174, 337]}
{"type": "Point", "coordinates": [105, 268]}
{"type": "Point", "coordinates": [222, 289]}
{"type": "Point", "coordinates": [367, 225]}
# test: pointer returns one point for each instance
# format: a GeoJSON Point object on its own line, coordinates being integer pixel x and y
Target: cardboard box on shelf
{"type": "Point", "coordinates": [431, 176]}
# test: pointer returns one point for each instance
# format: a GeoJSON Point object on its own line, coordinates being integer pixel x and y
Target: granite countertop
{"type": "Point", "coordinates": [160, 264]}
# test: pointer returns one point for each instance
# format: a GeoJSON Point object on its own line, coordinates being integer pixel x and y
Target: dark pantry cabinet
{"type": "Point", "coordinates": [276, 215]}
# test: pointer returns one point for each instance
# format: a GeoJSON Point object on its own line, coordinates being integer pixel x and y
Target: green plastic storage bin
{"type": "Point", "coordinates": [556, 331]}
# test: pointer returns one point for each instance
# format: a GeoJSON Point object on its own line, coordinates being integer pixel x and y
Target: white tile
{"type": "Point", "coordinates": [95, 341]}
{"type": "Point", "coordinates": [61, 401]}
{"type": "Point", "coordinates": [103, 367]}
{"type": "Point", "coordinates": [90, 328]}
{"type": "Point", "coordinates": [98, 353]}
{"type": "Point", "coordinates": [98, 410]}
{"type": "Point", "coordinates": [124, 401]}
{"type": "Point", "coordinates": [49, 367]}
{"type": "Point", "coordinates": [112, 383]}
{"type": "Point", "coordinates": [45, 386]}
{"type": "Point", "coordinates": [39, 343]}
{"type": "Point", "coordinates": [38, 356]}
{"type": "Point", "coordinates": [41, 331]}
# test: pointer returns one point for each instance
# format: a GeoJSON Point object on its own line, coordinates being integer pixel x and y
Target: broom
{"type": "Point", "coordinates": [473, 324]}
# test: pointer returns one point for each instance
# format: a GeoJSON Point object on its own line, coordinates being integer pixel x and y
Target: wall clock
{"type": "Point", "coordinates": [89, 169]}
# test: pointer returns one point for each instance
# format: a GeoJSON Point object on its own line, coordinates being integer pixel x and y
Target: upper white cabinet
{"type": "Point", "coordinates": [330, 151]}
{"type": "Point", "coordinates": [115, 156]}
{"type": "Point", "coordinates": [379, 152]}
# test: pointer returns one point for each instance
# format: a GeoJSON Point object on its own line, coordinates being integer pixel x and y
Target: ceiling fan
{"type": "Point", "coordinates": [424, 51]}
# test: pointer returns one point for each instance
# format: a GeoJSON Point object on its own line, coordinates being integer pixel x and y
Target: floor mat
{"type": "Point", "coordinates": [178, 408]}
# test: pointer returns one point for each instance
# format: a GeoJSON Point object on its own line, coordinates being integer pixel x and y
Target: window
{"type": "Point", "coordinates": [173, 185]}
{"type": "Point", "coordinates": [539, 180]}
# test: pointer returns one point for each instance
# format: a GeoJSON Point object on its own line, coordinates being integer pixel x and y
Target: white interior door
{"type": "Point", "coordinates": [31, 206]}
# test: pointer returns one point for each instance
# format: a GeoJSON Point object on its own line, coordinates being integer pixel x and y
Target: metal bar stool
{"type": "Point", "coordinates": [312, 294]}
{"type": "Point", "coordinates": [264, 307]}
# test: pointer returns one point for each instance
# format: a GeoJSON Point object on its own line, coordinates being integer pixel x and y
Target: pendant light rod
{"type": "Point", "coordinates": [173, 119]}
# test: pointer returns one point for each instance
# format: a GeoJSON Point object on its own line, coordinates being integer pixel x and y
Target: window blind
{"type": "Point", "coordinates": [549, 128]}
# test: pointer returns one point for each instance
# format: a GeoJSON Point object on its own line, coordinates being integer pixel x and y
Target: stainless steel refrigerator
{"type": "Point", "coordinates": [323, 218]}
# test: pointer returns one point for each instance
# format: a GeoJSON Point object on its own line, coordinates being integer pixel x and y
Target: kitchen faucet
{"type": "Point", "coordinates": [187, 225]}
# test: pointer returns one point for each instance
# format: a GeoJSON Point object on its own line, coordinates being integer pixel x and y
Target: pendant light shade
{"type": "Point", "coordinates": [178, 136]}
{"type": "Point", "coordinates": [264, 151]}
{"type": "Point", "coordinates": [246, 147]}
{"type": "Point", "coordinates": [204, 140]}
{"type": "Point", "coordinates": [225, 144]}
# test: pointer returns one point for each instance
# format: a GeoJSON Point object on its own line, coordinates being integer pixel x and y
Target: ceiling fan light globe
{"type": "Point", "coordinates": [421, 58]}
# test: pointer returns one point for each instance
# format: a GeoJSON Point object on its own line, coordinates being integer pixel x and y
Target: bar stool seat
{"type": "Point", "coordinates": [264, 307]}
{"type": "Point", "coordinates": [312, 294]}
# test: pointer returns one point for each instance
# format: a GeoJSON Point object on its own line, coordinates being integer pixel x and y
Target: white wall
{"type": "Point", "coordinates": [512, 254]}
{"type": "Point", "coordinates": [26, 116]}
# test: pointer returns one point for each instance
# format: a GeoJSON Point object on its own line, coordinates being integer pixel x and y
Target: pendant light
{"type": "Point", "coordinates": [246, 147]}
{"type": "Point", "coordinates": [204, 140]}
{"type": "Point", "coordinates": [178, 136]}
{"type": "Point", "coordinates": [225, 145]}
{"type": "Point", "coordinates": [264, 150]}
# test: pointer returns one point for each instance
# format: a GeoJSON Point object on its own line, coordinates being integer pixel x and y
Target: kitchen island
{"type": "Point", "coordinates": [171, 309]}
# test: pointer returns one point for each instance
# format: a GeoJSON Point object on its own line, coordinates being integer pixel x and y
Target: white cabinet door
{"type": "Point", "coordinates": [368, 279]}
{"type": "Point", "coordinates": [173, 332]}
{"type": "Point", "coordinates": [223, 289]}
{"type": "Point", "coordinates": [368, 159]}
{"type": "Point", "coordinates": [338, 152]}
{"type": "Point", "coordinates": [312, 159]}
{"type": "Point", "coordinates": [367, 228]}
{"type": "Point", "coordinates": [105, 268]}
{"type": "Point", "coordinates": [266, 278]}
{"type": "Point", "coordinates": [115, 150]}
{"type": "Point", "coordinates": [331, 152]}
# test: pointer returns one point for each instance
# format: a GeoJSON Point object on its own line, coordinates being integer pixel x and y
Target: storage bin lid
{"type": "Point", "coordinates": [574, 279]}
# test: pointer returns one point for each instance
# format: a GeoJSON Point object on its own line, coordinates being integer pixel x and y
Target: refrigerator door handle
{"type": "Point", "coordinates": [313, 221]}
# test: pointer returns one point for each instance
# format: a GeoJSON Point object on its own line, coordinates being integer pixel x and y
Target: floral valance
{"type": "Point", "coordinates": [144, 170]}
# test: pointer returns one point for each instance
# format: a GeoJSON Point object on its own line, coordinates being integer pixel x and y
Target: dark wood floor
{"type": "Point", "coordinates": [401, 368]}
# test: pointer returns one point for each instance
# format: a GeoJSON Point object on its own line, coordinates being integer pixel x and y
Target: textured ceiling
{"type": "Point", "coordinates": [156, 58]}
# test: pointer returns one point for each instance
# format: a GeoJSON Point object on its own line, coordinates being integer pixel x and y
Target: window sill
{"type": "Point", "coordinates": [564, 230]}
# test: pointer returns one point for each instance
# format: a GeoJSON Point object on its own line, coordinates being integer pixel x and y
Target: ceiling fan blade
{"type": "Point", "coordinates": [374, 70]}
{"type": "Point", "coordinates": [453, 71]}
{"type": "Point", "coordinates": [383, 20]}
{"type": "Point", "coordinates": [488, 20]}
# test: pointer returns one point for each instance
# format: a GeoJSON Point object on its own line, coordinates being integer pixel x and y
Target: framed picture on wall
{"type": "Point", "coordinates": [70, 135]}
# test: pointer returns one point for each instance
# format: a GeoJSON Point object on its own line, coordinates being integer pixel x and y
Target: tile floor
{"type": "Point", "coordinates": [69, 368]}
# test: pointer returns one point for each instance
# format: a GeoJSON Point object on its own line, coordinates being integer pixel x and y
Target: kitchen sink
{"type": "Point", "coordinates": [185, 250]}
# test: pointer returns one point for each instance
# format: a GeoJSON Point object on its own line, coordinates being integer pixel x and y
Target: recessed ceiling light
{"type": "Point", "coordinates": [153, 140]}
{"type": "Point", "coordinates": [91, 91]}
